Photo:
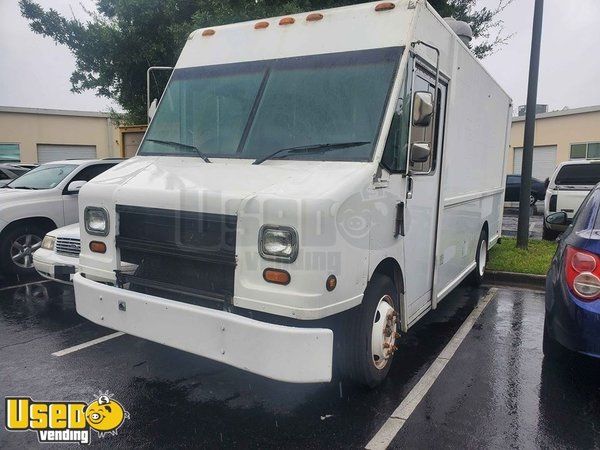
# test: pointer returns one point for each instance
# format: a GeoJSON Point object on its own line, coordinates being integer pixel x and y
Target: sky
{"type": "Point", "coordinates": [34, 72]}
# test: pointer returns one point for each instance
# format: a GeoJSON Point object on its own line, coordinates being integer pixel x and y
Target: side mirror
{"type": "Point", "coordinates": [422, 108]}
{"type": "Point", "coordinates": [557, 221]}
{"type": "Point", "coordinates": [419, 152]}
{"type": "Point", "coordinates": [152, 109]}
{"type": "Point", "coordinates": [546, 183]}
{"type": "Point", "coordinates": [75, 186]}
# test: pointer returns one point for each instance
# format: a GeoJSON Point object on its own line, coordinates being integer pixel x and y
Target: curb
{"type": "Point", "coordinates": [515, 279]}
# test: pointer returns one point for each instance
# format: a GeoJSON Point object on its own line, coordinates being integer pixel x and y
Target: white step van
{"type": "Point", "coordinates": [309, 188]}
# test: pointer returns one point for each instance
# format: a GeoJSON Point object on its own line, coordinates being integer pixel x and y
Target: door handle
{"type": "Point", "coordinates": [399, 220]}
{"type": "Point", "coordinates": [409, 187]}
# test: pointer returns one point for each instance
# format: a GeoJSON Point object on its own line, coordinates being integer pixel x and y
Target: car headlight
{"type": "Point", "coordinates": [278, 243]}
{"type": "Point", "coordinates": [96, 221]}
{"type": "Point", "coordinates": [48, 242]}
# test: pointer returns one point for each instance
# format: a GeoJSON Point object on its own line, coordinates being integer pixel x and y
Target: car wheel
{"type": "Point", "coordinates": [532, 199]}
{"type": "Point", "coordinates": [550, 347]}
{"type": "Point", "coordinates": [17, 247]}
{"type": "Point", "coordinates": [549, 235]}
{"type": "Point", "coordinates": [368, 336]}
{"type": "Point", "coordinates": [478, 273]}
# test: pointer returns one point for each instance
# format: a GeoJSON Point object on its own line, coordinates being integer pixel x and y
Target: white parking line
{"type": "Point", "coordinates": [396, 421]}
{"type": "Point", "coordinates": [24, 284]}
{"type": "Point", "coordinates": [87, 344]}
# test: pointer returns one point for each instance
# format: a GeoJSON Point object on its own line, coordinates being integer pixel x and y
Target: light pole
{"type": "Point", "coordinates": [528, 140]}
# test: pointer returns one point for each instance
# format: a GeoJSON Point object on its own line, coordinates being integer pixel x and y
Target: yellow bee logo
{"type": "Point", "coordinates": [105, 415]}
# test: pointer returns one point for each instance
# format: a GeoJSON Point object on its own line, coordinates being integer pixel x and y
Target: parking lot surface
{"type": "Point", "coordinates": [497, 390]}
{"type": "Point", "coordinates": [510, 220]}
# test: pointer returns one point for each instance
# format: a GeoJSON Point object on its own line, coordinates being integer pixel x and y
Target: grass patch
{"type": "Point", "coordinates": [506, 257]}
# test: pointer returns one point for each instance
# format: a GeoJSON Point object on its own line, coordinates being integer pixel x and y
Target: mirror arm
{"type": "Point", "coordinates": [437, 79]}
{"type": "Point", "coordinates": [148, 72]}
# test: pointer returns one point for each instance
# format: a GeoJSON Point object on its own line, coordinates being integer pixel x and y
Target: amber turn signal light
{"type": "Point", "coordinates": [208, 32]}
{"type": "Point", "coordinates": [277, 276]}
{"type": "Point", "coordinates": [98, 247]}
{"type": "Point", "coordinates": [386, 6]}
{"type": "Point", "coordinates": [287, 21]}
{"type": "Point", "coordinates": [261, 25]}
{"type": "Point", "coordinates": [331, 283]}
{"type": "Point", "coordinates": [313, 17]}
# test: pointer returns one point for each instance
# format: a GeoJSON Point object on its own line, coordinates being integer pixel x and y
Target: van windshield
{"type": "Point", "coordinates": [250, 110]}
{"type": "Point", "coordinates": [579, 175]}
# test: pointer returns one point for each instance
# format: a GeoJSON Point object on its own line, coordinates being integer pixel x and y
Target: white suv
{"type": "Point", "coordinates": [569, 185]}
{"type": "Point", "coordinates": [41, 200]}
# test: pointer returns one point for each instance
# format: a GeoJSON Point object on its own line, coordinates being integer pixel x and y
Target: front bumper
{"type": "Point", "coordinates": [292, 354]}
{"type": "Point", "coordinates": [56, 267]}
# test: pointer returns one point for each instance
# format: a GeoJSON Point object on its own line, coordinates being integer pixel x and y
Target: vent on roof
{"type": "Point", "coordinates": [462, 29]}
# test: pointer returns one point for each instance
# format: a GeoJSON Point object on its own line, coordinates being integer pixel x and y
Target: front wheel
{"type": "Point", "coordinates": [368, 335]}
{"type": "Point", "coordinates": [17, 247]}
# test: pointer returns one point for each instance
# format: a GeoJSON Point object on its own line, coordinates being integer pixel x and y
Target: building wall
{"type": "Point", "coordinates": [561, 131]}
{"type": "Point", "coordinates": [31, 129]}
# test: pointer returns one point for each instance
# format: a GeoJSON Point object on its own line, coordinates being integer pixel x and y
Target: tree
{"type": "Point", "coordinates": [121, 38]}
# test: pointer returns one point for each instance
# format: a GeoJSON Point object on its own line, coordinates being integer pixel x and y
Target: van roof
{"type": "Point", "coordinates": [356, 27]}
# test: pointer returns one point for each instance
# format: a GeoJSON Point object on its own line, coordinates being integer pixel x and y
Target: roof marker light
{"type": "Point", "coordinates": [386, 6]}
{"type": "Point", "coordinates": [261, 25]}
{"type": "Point", "coordinates": [208, 32]}
{"type": "Point", "coordinates": [287, 21]}
{"type": "Point", "coordinates": [313, 17]}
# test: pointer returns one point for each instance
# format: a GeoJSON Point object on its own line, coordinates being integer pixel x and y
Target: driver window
{"type": "Point", "coordinates": [396, 147]}
{"type": "Point", "coordinates": [426, 134]}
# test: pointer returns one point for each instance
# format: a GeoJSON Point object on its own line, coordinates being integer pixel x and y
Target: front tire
{"type": "Point", "coordinates": [17, 247]}
{"type": "Point", "coordinates": [480, 259]}
{"type": "Point", "coordinates": [369, 333]}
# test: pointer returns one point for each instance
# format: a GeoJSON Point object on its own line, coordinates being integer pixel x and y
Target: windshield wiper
{"type": "Point", "coordinates": [25, 187]}
{"type": "Point", "coordinates": [181, 144]}
{"type": "Point", "coordinates": [314, 148]}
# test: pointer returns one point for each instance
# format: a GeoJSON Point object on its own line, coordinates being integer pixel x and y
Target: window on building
{"type": "Point", "coordinates": [10, 152]}
{"type": "Point", "coordinates": [586, 150]}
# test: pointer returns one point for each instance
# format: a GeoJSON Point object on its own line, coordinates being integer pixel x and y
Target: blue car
{"type": "Point", "coordinates": [572, 318]}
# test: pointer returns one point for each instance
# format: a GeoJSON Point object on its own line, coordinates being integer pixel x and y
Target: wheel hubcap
{"type": "Point", "coordinates": [384, 332]}
{"type": "Point", "coordinates": [482, 257]}
{"type": "Point", "coordinates": [21, 251]}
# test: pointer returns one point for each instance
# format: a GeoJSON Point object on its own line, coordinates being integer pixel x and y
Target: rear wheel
{"type": "Point", "coordinates": [532, 199]}
{"type": "Point", "coordinates": [368, 335]}
{"type": "Point", "coordinates": [550, 347]}
{"type": "Point", "coordinates": [17, 247]}
{"type": "Point", "coordinates": [480, 259]}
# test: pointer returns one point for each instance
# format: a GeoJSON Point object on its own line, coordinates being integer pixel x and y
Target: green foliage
{"type": "Point", "coordinates": [506, 257]}
{"type": "Point", "coordinates": [121, 38]}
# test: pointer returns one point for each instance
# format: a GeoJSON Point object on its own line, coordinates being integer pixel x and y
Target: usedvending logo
{"type": "Point", "coordinates": [65, 422]}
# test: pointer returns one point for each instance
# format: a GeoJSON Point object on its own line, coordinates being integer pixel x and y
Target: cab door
{"type": "Point", "coordinates": [422, 199]}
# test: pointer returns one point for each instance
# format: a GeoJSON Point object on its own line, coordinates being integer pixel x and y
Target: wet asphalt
{"type": "Point", "coordinates": [496, 392]}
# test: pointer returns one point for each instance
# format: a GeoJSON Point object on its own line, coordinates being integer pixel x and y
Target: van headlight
{"type": "Point", "coordinates": [278, 243]}
{"type": "Point", "coordinates": [48, 242]}
{"type": "Point", "coordinates": [96, 221]}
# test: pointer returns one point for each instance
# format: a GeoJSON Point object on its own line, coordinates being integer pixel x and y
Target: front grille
{"type": "Point", "coordinates": [181, 255]}
{"type": "Point", "coordinates": [68, 246]}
